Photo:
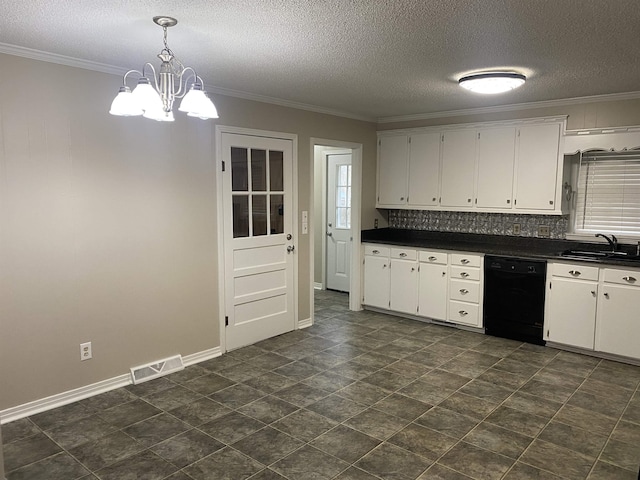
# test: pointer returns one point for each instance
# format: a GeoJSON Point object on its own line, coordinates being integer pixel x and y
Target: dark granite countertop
{"type": "Point", "coordinates": [523, 247]}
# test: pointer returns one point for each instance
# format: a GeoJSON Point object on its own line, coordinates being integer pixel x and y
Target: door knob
{"type": "Point", "coordinates": [290, 248]}
{"type": "Point", "coordinates": [329, 234]}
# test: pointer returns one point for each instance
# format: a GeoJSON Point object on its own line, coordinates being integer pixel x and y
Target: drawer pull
{"type": "Point", "coordinates": [432, 258]}
{"type": "Point", "coordinates": [575, 273]}
{"type": "Point", "coordinates": [376, 252]}
{"type": "Point", "coordinates": [606, 295]}
{"type": "Point", "coordinates": [464, 291]}
{"type": "Point", "coordinates": [629, 279]}
{"type": "Point", "coordinates": [402, 254]}
{"type": "Point", "coordinates": [464, 274]}
{"type": "Point", "coordinates": [464, 261]}
{"type": "Point", "coordinates": [462, 313]}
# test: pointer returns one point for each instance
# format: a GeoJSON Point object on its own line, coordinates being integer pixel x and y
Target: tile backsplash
{"type": "Point", "coordinates": [484, 223]}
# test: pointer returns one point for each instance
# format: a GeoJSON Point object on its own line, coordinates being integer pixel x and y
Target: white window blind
{"type": "Point", "coordinates": [608, 197]}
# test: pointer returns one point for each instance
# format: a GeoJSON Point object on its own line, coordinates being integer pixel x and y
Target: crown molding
{"type": "Point", "coordinates": [113, 70]}
{"type": "Point", "coordinates": [509, 108]}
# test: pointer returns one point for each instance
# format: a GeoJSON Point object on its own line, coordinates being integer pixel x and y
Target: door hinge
{"type": "Point", "coordinates": [515, 201]}
{"type": "Point", "coordinates": [379, 142]}
{"type": "Point", "coordinates": [478, 135]}
{"type": "Point", "coordinates": [409, 139]}
{"type": "Point", "coordinates": [407, 199]}
{"type": "Point", "coordinates": [223, 166]}
{"type": "Point", "coordinates": [476, 201]}
{"type": "Point", "coordinates": [547, 333]}
{"type": "Point", "coordinates": [418, 309]}
{"type": "Point", "coordinates": [389, 303]}
{"type": "Point", "coordinates": [226, 321]}
{"type": "Point", "coordinates": [549, 285]}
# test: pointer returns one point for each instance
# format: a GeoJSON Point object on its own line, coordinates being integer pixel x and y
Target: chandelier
{"type": "Point", "coordinates": [154, 98]}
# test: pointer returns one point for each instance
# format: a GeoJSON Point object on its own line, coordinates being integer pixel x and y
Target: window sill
{"type": "Point", "coordinates": [590, 238]}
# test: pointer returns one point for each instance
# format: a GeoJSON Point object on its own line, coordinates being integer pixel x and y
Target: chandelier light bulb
{"type": "Point", "coordinates": [125, 104]}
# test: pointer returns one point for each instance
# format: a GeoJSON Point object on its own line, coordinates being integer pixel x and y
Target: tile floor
{"type": "Point", "coordinates": [358, 396]}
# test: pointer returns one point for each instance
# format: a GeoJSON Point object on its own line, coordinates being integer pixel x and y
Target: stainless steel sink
{"type": "Point", "coordinates": [599, 255]}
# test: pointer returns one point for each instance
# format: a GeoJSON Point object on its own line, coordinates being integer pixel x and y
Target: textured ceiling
{"type": "Point", "coordinates": [367, 58]}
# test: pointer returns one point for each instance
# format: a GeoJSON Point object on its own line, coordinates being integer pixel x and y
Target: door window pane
{"type": "Point", "coordinates": [258, 170]}
{"type": "Point", "coordinates": [276, 181]}
{"type": "Point", "coordinates": [239, 172]}
{"type": "Point", "coordinates": [240, 216]}
{"type": "Point", "coordinates": [277, 214]}
{"type": "Point", "coordinates": [259, 214]}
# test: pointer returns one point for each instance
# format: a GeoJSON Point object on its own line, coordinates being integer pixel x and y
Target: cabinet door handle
{"type": "Point", "coordinates": [464, 274]}
{"type": "Point", "coordinates": [413, 269]}
{"type": "Point", "coordinates": [464, 261]}
{"type": "Point", "coordinates": [468, 200]}
{"type": "Point", "coordinates": [402, 254]}
{"type": "Point", "coordinates": [444, 274]}
{"type": "Point", "coordinates": [432, 258]}
{"type": "Point", "coordinates": [606, 295]}
{"type": "Point", "coordinates": [376, 252]}
{"type": "Point", "coordinates": [433, 199]}
{"type": "Point", "coordinates": [384, 266]}
{"type": "Point", "coordinates": [593, 292]}
{"type": "Point", "coordinates": [462, 313]}
{"type": "Point", "coordinates": [464, 291]}
{"type": "Point", "coordinates": [575, 273]}
{"type": "Point", "coordinates": [508, 201]}
{"type": "Point", "coordinates": [401, 199]}
{"type": "Point", "coordinates": [629, 279]}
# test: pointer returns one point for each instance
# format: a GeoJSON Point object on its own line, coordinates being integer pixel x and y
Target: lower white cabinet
{"type": "Point", "coordinates": [594, 308]}
{"type": "Point", "coordinates": [376, 276]}
{"type": "Point", "coordinates": [403, 289]}
{"type": "Point", "coordinates": [618, 318]}
{"type": "Point", "coordinates": [571, 312]}
{"type": "Point", "coordinates": [432, 285]}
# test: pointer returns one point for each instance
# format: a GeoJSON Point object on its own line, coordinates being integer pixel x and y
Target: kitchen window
{"type": "Point", "coordinates": [608, 193]}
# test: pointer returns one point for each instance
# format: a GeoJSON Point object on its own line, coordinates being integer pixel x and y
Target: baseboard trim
{"type": "Point", "coordinates": [306, 323]}
{"type": "Point", "coordinates": [71, 396]}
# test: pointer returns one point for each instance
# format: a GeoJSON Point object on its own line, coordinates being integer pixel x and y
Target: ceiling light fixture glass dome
{"type": "Point", "coordinates": [492, 82]}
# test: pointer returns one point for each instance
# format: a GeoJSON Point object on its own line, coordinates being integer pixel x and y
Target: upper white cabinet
{"type": "Point", "coordinates": [509, 167]}
{"type": "Point", "coordinates": [424, 169]}
{"type": "Point", "coordinates": [458, 168]}
{"type": "Point", "coordinates": [392, 170]}
{"type": "Point", "coordinates": [537, 169]}
{"type": "Point", "coordinates": [496, 157]}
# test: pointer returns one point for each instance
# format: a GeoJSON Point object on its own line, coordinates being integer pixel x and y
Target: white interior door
{"type": "Point", "coordinates": [258, 238]}
{"type": "Point", "coordinates": [338, 221]}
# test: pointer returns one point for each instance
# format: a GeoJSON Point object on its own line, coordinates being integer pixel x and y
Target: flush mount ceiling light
{"type": "Point", "coordinates": [492, 82]}
{"type": "Point", "coordinates": [154, 98]}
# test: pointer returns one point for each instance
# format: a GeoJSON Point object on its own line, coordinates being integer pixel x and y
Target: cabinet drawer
{"type": "Point", "coordinates": [377, 250]}
{"type": "Point", "coordinates": [461, 312]}
{"type": "Point", "coordinates": [464, 259]}
{"type": "Point", "coordinates": [404, 253]}
{"type": "Point", "coordinates": [464, 290]}
{"type": "Point", "coordinates": [570, 270]}
{"type": "Point", "coordinates": [622, 276]}
{"type": "Point", "coordinates": [465, 273]}
{"type": "Point", "coordinates": [439, 258]}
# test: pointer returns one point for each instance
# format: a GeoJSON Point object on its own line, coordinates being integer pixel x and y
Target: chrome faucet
{"type": "Point", "coordinates": [613, 241]}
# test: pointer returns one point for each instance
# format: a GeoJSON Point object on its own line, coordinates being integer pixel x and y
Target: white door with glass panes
{"type": "Point", "coordinates": [258, 238]}
{"type": "Point", "coordinates": [338, 229]}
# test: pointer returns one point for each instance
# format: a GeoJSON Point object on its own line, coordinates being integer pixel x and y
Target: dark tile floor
{"type": "Point", "coordinates": [358, 396]}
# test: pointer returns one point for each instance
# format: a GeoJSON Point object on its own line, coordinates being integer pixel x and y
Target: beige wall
{"type": "Point", "coordinates": [108, 230]}
{"type": "Point", "coordinates": [620, 113]}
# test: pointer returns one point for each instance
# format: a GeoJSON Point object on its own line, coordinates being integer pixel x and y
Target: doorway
{"type": "Point", "coordinates": [336, 186]}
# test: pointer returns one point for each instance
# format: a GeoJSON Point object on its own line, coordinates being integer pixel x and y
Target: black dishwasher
{"type": "Point", "coordinates": [514, 290]}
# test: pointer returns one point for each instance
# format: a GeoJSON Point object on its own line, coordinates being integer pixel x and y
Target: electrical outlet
{"type": "Point", "coordinates": [85, 351]}
{"type": "Point", "coordinates": [375, 223]}
{"type": "Point", "coordinates": [516, 229]}
{"type": "Point", "coordinates": [543, 230]}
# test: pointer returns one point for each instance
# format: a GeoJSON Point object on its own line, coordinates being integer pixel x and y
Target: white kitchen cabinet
{"type": "Point", "coordinates": [458, 168]}
{"type": "Point", "coordinates": [432, 285]}
{"type": "Point", "coordinates": [496, 155]}
{"type": "Point", "coordinates": [424, 169]}
{"type": "Point", "coordinates": [376, 276]}
{"type": "Point", "coordinates": [618, 320]}
{"type": "Point", "coordinates": [465, 289]}
{"type": "Point", "coordinates": [537, 167]}
{"type": "Point", "coordinates": [403, 290]}
{"type": "Point", "coordinates": [393, 170]}
{"type": "Point", "coordinates": [571, 312]}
